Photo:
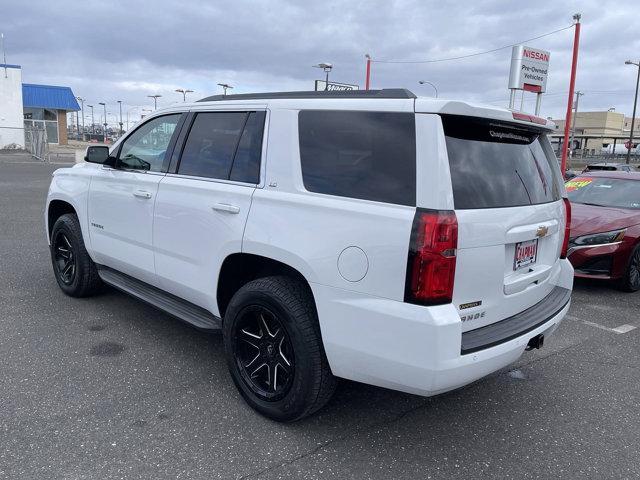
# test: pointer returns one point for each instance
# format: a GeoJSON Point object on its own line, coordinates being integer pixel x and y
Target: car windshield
{"type": "Point", "coordinates": [605, 192]}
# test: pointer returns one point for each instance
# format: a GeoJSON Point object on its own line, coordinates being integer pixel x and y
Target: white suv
{"type": "Point", "coordinates": [412, 243]}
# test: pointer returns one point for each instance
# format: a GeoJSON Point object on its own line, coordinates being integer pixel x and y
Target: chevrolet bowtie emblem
{"type": "Point", "coordinates": [542, 231]}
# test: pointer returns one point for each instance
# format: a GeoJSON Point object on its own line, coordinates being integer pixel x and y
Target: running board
{"type": "Point", "coordinates": [175, 306]}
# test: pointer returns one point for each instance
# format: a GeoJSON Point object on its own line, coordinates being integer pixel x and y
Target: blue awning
{"type": "Point", "coordinates": [49, 96]}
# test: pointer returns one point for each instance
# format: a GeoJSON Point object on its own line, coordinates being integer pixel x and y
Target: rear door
{"type": "Point", "coordinates": [202, 206]}
{"type": "Point", "coordinates": [507, 195]}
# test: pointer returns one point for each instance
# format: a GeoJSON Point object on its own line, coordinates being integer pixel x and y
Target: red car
{"type": "Point", "coordinates": [604, 241]}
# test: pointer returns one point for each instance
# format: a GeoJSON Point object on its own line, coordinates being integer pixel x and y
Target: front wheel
{"type": "Point", "coordinates": [274, 351]}
{"type": "Point", "coordinates": [75, 272]}
{"type": "Point", "coordinates": [631, 280]}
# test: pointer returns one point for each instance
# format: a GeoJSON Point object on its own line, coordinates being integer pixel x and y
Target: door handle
{"type": "Point", "coordinates": [225, 207]}
{"type": "Point", "coordinates": [142, 194]}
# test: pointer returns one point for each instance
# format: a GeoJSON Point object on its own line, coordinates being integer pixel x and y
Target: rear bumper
{"type": "Point", "coordinates": [412, 348]}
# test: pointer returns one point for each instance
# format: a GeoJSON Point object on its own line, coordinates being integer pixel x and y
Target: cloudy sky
{"type": "Point", "coordinates": [109, 50]}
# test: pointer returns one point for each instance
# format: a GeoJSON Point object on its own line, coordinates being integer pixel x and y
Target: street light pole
{"type": "Point", "coordinates": [326, 67]}
{"type": "Point", "coordinates": [82, 109]}
{"type": "Point", "coordinates": [572, 83]}
{"type": "Point", "coordinates": [104, 132]}
{"type": "Point", "coordinates": [155, 100]}
{"type": "Point", "coordinates": [93, 127]}
{"type": "Point", "coordinates": [120, 106]}
{"type": "Point", "coordinates": [425, 82]}
{"type": "Point", "coordinates": [367, 77]}
{"type": "Point", "coordinates": [184, 93]}
{"type": "Point", "coordinates": [224, 88]}
{"type": "Point", "coordinates": [633, 117]}
{"type": "Point", "coordinates": [573, 125]}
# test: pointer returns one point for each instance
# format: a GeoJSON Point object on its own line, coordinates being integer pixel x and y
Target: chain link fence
{"type": "Point", "coordinates": [35, 142]}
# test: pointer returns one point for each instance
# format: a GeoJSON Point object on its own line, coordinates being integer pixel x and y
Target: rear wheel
{"type": "Point", "coordinates": [74, 270]}
{"type": "Point", "coordinates": [274, 351]}
{"type": "Point", "coordinates": [631, 280]}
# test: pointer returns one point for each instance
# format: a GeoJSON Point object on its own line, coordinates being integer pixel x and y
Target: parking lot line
{"type": "Point", "coordinates": [621, 329]}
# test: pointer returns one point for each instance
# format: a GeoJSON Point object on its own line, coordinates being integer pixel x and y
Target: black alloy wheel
{"type": "Point", "coordinates": [64, 258]}
{"type": "Point", "coordinates": [263, 353]}
{"type": "Point", "coordinates": [631, 280]}
{"type": "Point", "coordinates": [75, 272]}
{"type": "Point", "coordinates": [274, 351]}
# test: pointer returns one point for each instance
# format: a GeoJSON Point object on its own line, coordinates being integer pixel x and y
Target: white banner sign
{"type": "Point", "coordinates": [333, 86]}
{"type": "Point", "coordinates": [529, 69]}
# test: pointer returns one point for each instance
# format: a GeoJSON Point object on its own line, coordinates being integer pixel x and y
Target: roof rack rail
{"type": "Point", "coordinates": [384, 93]}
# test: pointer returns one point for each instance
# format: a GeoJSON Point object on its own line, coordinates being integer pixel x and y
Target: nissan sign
{"type": "Point", "coordinates": [529, 69]}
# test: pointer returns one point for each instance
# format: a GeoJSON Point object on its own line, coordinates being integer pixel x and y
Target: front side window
{"type": "Point", "coordinates": [365, 155]}
{"type": "Point", "coordinates": [146, 147]}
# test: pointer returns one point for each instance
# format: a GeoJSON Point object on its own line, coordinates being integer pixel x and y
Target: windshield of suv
{"type": "Point", "coordinates": [495, 164]}
{"type": "Point", "coordinates": [605, 192]}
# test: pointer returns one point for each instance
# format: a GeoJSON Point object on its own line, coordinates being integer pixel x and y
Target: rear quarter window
{"type": "Point", "coordinates": [495, 165]}
{"type": "Point", "coordinates": [365, 155]}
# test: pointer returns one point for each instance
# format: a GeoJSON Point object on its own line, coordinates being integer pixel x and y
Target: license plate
{"type": "Point", "coordinates": [526, 253]}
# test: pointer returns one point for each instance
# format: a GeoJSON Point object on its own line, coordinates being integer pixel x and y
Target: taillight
{"type": "Point", "coordinates": [431, 266]}
{"type": "Point", "coordinates": [567, 228]}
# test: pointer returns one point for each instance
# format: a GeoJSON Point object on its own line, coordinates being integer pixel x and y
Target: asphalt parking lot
{"type": "Point", "coordinates": [109, 387]}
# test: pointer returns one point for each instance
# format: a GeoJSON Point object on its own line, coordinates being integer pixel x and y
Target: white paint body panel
{"type": "Point", "coordinates": [192, 239]}
{"type": "Point", "coordinates": [177, 241]}
{"type": "Point", "coordinates": [120, 222]}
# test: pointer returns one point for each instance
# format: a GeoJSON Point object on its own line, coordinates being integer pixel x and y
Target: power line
{"type": "Point", "coordinates": [477, 53]}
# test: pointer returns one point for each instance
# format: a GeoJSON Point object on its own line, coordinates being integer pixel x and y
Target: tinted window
{"type": "Point", "coordinates": [607, 192]}
{"type": "Point", "coordinates": [498, 165]}
{"type": "Point", "coordinates": [246, 164]}
{"type": "Point", "coordinates": [146, 147]}
{"type": "Point", "coordinates": [211, 144]}
{"type": "Point", "coordinates": [367, 155]}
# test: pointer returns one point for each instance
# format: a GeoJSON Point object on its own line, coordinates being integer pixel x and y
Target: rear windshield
{"type": "Point", "coordinates": [497, 165]}
{"type": "Point", "coordinates": [600, 167]}
{"type": "Point", "coordinates": [605, 192]}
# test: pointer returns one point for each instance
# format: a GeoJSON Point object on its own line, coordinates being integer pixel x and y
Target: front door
{"type": "Point", "coordinates": [121, 199]}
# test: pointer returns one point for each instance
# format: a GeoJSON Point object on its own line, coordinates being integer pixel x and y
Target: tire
{"type": "Point", "coordinates": [275, 319]}
{"type": "Point", "coordinates": [74, 270]}
{"type": "Point", "coordinates": [631, 280]}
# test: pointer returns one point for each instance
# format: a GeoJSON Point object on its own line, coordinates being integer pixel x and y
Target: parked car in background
{"type": "Point", "coordinates": [605, 226]}
{"type": "Point", "coordinates": [609, 167]}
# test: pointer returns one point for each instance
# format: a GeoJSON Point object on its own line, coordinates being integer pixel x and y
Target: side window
{"type": "Point", "coordinates": [246, 163]}
{"type": "Point", "coordinates": [211, 144]}
{"type": "Point", "coordinates": [146, 148]}
{"type": "Point", "coordinates": [366, 155]}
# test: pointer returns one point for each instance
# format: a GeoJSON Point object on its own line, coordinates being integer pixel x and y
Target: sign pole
{"type": "Point", "coordinates": [368, 74]}
{"type": "Point", "coordinates": [538, 101]}
{"type": "Point", "coordinates": [572, 84]}
{"type": "Point", "coordinates": [512, 98]}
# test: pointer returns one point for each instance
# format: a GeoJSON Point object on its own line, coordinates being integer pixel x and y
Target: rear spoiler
{"type": "Point", "coordinates": [454, 107]}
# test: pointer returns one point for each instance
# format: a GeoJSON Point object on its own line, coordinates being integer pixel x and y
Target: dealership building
{"type": "Point", "coordinates": [600, 131]}
{"type": "Point", "coordinates": [26, 106]}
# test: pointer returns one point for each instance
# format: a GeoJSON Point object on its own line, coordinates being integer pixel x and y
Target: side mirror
{"type": "Point", "coordinates": [98, 154]}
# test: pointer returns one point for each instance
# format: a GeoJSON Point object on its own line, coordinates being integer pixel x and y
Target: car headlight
{"type": "Point", "coordinates": [597, 238]}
